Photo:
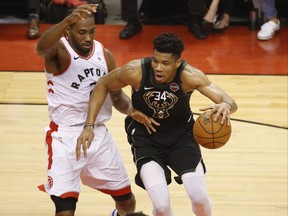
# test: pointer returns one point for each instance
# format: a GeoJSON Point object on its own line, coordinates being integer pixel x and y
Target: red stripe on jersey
{"type": "Point", "coordinates": [70, 194]}
{"type": "Point", "coordinates": [120, 192]}
{"type": "Point", "coordinates": [53, 127]}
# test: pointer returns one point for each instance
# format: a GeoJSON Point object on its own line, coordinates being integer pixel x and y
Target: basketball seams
{"type": "Point", "coordinates": [219, 144]}
{"type": "Point", "coordinates": [215, 137]}
{"type": "Point", "coordinates": [204, 129]}
{"type": "Point", "coordinates": [212, 130]}
{"type": "Point", "coordinates": [209, 134]}
{"type": "Point", "coordinates": [222, 125]}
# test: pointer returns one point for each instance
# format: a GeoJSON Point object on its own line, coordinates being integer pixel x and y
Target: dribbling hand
{"type": "Point", "coordinates": [221, 109]}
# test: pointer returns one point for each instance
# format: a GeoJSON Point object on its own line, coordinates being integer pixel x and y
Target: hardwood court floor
{"type": "Point", "coordinates": [248, 176]}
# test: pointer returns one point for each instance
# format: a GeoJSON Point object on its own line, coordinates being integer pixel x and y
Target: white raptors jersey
{"type": "Point", "coordinates": [68, 93]}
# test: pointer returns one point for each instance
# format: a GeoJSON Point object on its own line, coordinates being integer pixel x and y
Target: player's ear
{"type": "Point", "coordinates": [67, 33]}
{"type": "Point", "coordinates": [178, 62]}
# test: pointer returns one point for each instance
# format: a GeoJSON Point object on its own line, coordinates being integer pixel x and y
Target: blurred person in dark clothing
{"type": "Point", "coordinates": [33, 31]}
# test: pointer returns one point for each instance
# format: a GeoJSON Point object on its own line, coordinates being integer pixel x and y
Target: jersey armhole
{"type": "Point", "coordinates": [144, 61]}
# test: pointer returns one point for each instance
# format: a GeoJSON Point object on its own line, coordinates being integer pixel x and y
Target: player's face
{"type": "Point", "coordinates": [164, 66]}
{"type": "Point", "coordinates": [82, 35]}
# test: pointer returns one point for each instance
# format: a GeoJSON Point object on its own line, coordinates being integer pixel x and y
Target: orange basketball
{"type": "Point", "coordinates": [211, 134]}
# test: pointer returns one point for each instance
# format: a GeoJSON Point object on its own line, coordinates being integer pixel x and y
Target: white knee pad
{"type": "Point", "coordinates": [154, 180]}
{"type": "Point", "coordinates": [151, 174]}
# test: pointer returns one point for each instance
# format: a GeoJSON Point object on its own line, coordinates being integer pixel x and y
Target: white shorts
{"type": "Point", "coordinates": [103, 169]}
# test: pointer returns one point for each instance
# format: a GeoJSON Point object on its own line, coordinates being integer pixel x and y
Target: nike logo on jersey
{"type": "Point", "coordinates": [148, 88]}
{"type": "Point", "coordinates": [76, 57]}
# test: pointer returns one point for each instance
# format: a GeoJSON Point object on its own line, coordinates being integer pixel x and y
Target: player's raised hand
{"type": "Point", "coordinates": [81, 12]}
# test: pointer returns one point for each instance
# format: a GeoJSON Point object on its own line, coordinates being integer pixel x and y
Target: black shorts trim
{"type": "Point", "coordinates": [123, 197]}
{"type": "Point", "coordinates": [64, 204]}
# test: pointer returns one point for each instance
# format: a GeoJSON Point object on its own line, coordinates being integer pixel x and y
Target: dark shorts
{"type": "Point", "coordinates": [175, 149]}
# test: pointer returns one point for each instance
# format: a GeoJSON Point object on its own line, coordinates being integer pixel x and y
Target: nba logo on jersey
{"type": "Point", "coordinates": [50, 182]}
{"type": "Point", "coordinates": [174, 87]}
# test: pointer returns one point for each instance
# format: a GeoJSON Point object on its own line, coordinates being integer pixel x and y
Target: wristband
{"type": "Point", "coordinates": [88, 125]}
{"type": "Point", "coordinates": [228, 104]}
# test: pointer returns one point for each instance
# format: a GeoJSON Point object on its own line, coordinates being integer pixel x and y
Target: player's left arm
{"type": "Point", "coordinates": [224, 104]}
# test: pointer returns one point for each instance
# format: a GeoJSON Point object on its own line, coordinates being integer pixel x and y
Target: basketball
{"type": "Point", "coordinates": [211, 134]}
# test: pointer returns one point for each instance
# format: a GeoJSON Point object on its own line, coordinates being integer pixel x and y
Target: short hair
{"type": "Point", "coordinates": [168, 43]}
{"type": "Point", "coordinates": [136, 214]}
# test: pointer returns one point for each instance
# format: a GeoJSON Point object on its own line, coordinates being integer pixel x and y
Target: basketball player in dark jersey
{"type": "Point", "coordinates": [163, 140]}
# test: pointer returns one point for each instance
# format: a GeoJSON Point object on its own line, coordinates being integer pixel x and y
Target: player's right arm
{"type": "Point", "coordinates": [106, 83]}
{"type": "Point", "coordinates": [49, 46]}
{"type": "Point", "coordinates": [129, 74]}
{"type": "Point", "coordinates": [117, 79]}
{"type": "Point", "coordinates": [48, 41]}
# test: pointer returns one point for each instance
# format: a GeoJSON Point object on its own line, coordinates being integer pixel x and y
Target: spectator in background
{"type": "Point", "coordinates": [59, 9]}
{"type": "Point", "coordinates": [197, 9]}
{"type": "Point", "coordinates": [33, 31]}
{"type": "Point", "coordinates": [133, 26]}
{"type": "Point", "coordinates": [196, 12]}
{"type": "Point", "coordinates": [272, 25]}
{"type": "Point", "coordinates": [217, 17]}
{"type": "Point", "coordinates": [211, 15]}
{"type": "Point", "coordinates": [200, 20]}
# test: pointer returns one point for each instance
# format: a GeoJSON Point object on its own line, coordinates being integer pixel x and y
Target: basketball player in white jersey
{"type": "Point", "coordinates": [74, 62]}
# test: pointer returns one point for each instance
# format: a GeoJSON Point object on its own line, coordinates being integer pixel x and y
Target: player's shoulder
{"type": "Point", "coordinates": [108, 54]}
{"type": "Point", "coordinates": [132, 69]}
{"type": "Point", "coordinates": [192, 71]}
{"type": "Point", "coordinates": [192, 78]}
{"type": "Point", "coordinates": [133, 64]}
